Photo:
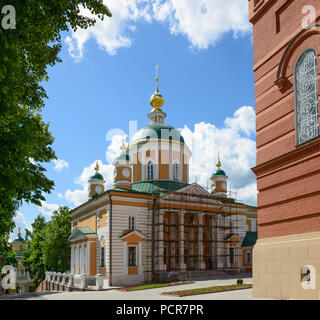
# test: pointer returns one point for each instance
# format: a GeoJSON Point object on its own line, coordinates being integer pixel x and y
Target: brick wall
{"type": "Point", "coordinates": [288, 179]}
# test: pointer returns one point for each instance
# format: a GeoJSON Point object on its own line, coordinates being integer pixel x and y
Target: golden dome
{"type": "Point", "coordinates": [157, 99]}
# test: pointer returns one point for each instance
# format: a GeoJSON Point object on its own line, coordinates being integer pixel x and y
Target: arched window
{"type": "Point", "coordinates": [306, 97]}
{"type": "Point", "coordinates": [175, 171]}
{"type": "Point", "coordinates": [149, 170]}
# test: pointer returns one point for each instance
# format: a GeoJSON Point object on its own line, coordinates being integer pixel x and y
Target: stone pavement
{"type": "Point", "coordinates": [150, 294]}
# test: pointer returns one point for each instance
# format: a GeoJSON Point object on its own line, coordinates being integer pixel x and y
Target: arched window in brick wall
{"type": "Point", "coordinates": [306, 97]}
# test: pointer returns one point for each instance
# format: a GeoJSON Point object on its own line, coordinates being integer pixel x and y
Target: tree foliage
{"type": "Point", "coordinates": [25, 54]}
{"type": "Point", "coordinates": [48, 248]}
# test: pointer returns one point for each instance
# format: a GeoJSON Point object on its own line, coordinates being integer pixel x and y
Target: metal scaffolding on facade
{"type": "Point", "coordinates": [191, 233]}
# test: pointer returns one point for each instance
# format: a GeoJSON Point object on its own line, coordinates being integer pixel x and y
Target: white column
{"type": "Point", "coordinates": [172, 243]}
{"type": "Point", "coordinates": [72, 259]}
{"type": "Point", "coordinates": [182, 265]}
{"type": "Point", "coordinates": [77, 259]}
{"type": "Point", "coordinates": [140, 265]}
{"type": "Point", "coordinates": [160, 265]}
{"type": "Point", "coordinates": [88, 259]}
{"type": "Point", "coordinates": [201, 263]}
{"type": "Point", "coordinates": [125, 258]}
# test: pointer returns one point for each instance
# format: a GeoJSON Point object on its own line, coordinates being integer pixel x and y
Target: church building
{"type": "Point", "coordinates": [154, 225]}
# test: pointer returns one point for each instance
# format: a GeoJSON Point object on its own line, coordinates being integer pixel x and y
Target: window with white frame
{"type": "Point", "coordinates": [149, 169]}
{"type": "Point", "coordinates": [132, 223]}
{"type": "Point", "coordinates": [306, 97]}
{"type": "Point", "coordinates": [132, 256]}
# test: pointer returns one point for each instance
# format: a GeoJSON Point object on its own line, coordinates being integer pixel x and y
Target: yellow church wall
{"type": "Point", "coordinates": [89, 222]}
{"type": "Point", "coordinates": [136, 167]}
{"type": "Point", "coordinates": [176, 156]}
{"type": "Point", "coordinates": [102, 218]}
{"type": "Point", "coordinates": [185, 169]}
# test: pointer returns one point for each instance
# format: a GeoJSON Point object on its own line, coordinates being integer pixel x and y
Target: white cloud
{"type": "Point", "coordinates": [237, 152]}
{"type": "Point", "coordinates": [60, 195]}
{"type": "Point", "coordinates": [80, 196]}
{"type": "Point", "coordinates": [60, 164]}
{"type": "Point", "coordinates": [203, 22]}
{"type": "Point", "coordinates": [48, 208]}
{"type": "Point", "coordinates": [233, 141]}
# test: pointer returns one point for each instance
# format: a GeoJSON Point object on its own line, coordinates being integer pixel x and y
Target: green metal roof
{"type": "Point", "coordinates": [250, 239]}
{"type": "Point", "coordinates": [79, 232]}
{"type": "Point", "coordinates": [97, 176]}
{"type": "Point", "coordinates": [157, 186]}
{"type": "Point", "coordinates": [219, 173]}
{"type": "Point", "coordinates": [19, 239]}
{"type": "Point", "coordinates": [157, 131]}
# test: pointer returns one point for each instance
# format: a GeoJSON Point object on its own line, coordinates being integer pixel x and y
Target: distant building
{"type": "Point", "coordinates": [18, 279]}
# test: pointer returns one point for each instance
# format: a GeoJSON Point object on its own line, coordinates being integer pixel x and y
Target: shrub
{"type": "Point", "coordinates": [240, 282]}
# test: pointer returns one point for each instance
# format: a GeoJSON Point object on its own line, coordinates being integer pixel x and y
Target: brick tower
{"type": "Point", "coordinates": [286, 41]}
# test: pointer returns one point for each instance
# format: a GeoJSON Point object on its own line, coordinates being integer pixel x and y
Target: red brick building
{"type": "Point", "coordinates": [286, 40]}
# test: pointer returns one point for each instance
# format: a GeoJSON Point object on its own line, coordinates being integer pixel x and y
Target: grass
{"type": "Point", "coordinates": [156, 285]}
{"type": "Point", "coordinates": [190, 292]}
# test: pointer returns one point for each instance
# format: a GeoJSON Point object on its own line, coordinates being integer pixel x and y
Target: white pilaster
{"type": "Point", "coordinates": [201, 263]}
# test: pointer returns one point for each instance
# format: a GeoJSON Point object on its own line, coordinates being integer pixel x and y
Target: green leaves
{"type": "Point", "coordinates": [49, 248]}
{"type": "Point", "coordinates": [25, 54]}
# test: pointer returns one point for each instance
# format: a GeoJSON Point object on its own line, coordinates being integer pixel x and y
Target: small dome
{"type": "Point", "coordinates": [97, 176]}
{"type": "Point", "coordinates": [157, 131]}
{"type": "Point", "coordinates": [219, 173]}
{"type": "Point", "coordinates": [19, 239]}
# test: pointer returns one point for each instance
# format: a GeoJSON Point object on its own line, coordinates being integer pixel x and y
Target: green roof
{"type": "Point", "coordinates": [97, 176]}
{"type": "Point", "coordinates": [219, 173]}
{"type": "Point", "coordinates": [19, 239]}
{"type": "Point", "coordinates": [157, 131]}
{"type": "Point", "coordinates": [157, 186]}
{"type": "Point", "coordinates": [250, 239]}
{"type": "Point", "coordinates": [79, 232]}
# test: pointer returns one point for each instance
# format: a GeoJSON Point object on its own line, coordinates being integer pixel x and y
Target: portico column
{"type": "Point", "coordinates": [140, 265]}
{"type": "Point", "coordinates": [172, 242]}
{"type": "Point", "coordinates": [72, 259]}
{"type": "Point", "coordinates": [161, 266]}
{"type": "Point", "coordinates": [182, 264]}
{"type": "Point", "coordinates": [201, 263]}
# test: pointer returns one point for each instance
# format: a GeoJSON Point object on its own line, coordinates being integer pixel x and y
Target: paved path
{"type": "Point", "coordinates": [150, 294]}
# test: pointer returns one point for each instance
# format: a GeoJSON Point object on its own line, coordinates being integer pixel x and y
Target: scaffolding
{"type": "Point", "coordinates": [191, 233]}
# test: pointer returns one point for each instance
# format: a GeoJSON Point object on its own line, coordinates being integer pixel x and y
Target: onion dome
{"type": "Point", "coordinates": [19, 239]}
{"type": "Point", "coordinates": [97, 175]}
{"type": "Point", "coordinates": [124, 156]}
{"type": "Point", "coordinates": [219, 172]}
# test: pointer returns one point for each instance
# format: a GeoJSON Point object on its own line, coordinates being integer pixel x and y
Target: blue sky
{"type": "Point", "coordinates": [107, 77]}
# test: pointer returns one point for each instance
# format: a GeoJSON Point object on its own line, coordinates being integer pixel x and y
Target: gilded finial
{"type": "Point", "coordinates": [157, 78]}
{"type": "Point", "coordinates": [19, 232]}
{"type": "Point", "coordinates": [156, 99]}
{"type": "Point", "coordinates": [219, 163]}
{"type": "Point", "coordinates": [97, 167]}
{"type": "Point", "coordinates": [123, 146]}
